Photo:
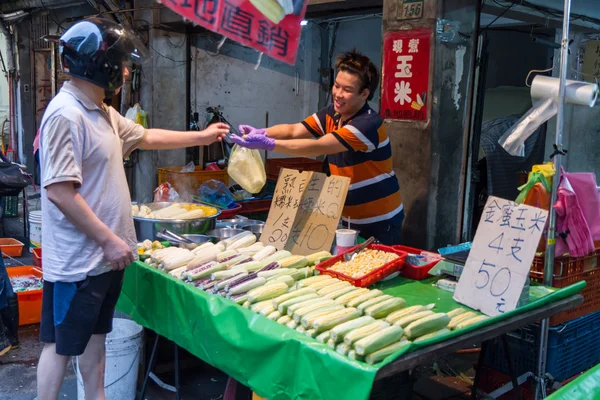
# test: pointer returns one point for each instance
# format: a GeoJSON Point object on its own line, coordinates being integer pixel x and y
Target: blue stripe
{"type": "Point", "coordinates": [373, 192]}
{"type": "Point", "coordinates": [352, 158]}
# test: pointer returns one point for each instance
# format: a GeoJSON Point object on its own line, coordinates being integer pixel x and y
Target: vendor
{"type": "Point", "coordinates": [355, 140]}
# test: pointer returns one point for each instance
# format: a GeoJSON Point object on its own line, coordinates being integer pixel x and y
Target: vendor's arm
{"type": "Point", "coordinates": [62, 145]}
{"type": "Point", "coordinates": [289, 131]}
{"type": "Point", "coordinates": [323, 146]}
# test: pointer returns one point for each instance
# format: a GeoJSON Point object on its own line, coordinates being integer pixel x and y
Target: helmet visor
{"type": "Point", "coordinates": [126, 47]}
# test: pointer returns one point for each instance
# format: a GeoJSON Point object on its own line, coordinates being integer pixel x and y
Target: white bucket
{"type": "Point", "coordinates": [123, 350]}
{"type": "Point", "coordinates": [35, 230]}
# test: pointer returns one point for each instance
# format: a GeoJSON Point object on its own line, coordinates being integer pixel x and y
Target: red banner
{"type": "Point", "coordinates": [269, 26]}
{"type": "Point", "coordinates": [405, 74]}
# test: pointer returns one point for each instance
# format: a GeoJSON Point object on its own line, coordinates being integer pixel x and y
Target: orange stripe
{"type": "Point", "coordinates": [382, 133]}
{"type": "Point", "coordinates": [329, 123]}
{"type": "Point", "coordinates": [361, 172]}
{"type": "Point", "coordinates": [313, 124]}
{"type": "Point", "coordinates": [374, 208]}
{"type": "Point", "coordinates": [351, 139]}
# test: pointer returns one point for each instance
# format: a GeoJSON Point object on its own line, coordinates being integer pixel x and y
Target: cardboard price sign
{"type": "Point", "coordinates": [269, 26]}
{"type": "Point", "coordinates": [499, 261]}
{"type": "Point", "coordinates": [305, 212]}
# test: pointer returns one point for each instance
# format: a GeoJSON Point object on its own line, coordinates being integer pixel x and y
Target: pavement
{"type": "Point", "coordinates": [448, 379]}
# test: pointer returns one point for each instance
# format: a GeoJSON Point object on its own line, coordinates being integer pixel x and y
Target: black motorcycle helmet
{"type": "Point", "coordinates": [96, 50]}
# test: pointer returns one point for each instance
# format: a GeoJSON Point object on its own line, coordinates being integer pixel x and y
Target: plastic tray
{"type": "Point", "coordinates": [30, 303]}
{"type": "Point", "coordinates": [591, 295]}
{"type": "Point", "coordinates": [274, 165]}
{"type": "Point", "coordinates": [572, 348]}
{"type": "Point", "coordinates": [566, 266]}
{"type": "Point", "coordinates": [37, 256]}
{"type": "Point", "coordinates": [374, 276]}
{"type": "Point", "coordinates": [416, 272]}
{"type": "Point", "coordinates": [11, 247]}
{"type": "Point", "coordinates": [231, 212]}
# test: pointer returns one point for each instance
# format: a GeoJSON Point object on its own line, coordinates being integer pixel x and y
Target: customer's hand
{"type": "Point", "coordinates": [254, 141]}
{"type": "Point", "coordinates": [213, 133]}
{"type": "Point", "coordinates": [117, 253]}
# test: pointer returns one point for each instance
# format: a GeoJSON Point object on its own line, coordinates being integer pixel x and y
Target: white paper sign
{"type": "Point", "coordinates": [500, 258]}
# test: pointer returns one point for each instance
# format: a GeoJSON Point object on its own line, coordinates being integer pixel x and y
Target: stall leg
{"type": "Point", "coordinates": [511, 369]}
{"type": "Point", "coordinates": [484, 346]}
{"type": "Point", "coordinates": [150, 368]}
{"type": "Point", "coordinates": [176, 356]}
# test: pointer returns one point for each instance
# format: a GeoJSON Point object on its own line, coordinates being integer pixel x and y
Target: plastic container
{"type": "Point", "coordinates": [30, 302]}
{"type": "Point", "coordinates": [591, 294]}
{"type": "Point", "coordinates": [572, 348]}
{"type": "Point", "coordinates": [35, 230]}
{"type": "Point", "coordinates": [124, 346]}
{"type": "Point", "coordinates": [11, 247]}
{"type": "Point", "coordinates": [189, 182]}
{"type": "Point", "coordinates": [566, 266]}
{"type": "Point", "coordinates": [274, 165]}
{"type": "Point", "coordinates": [37, 257]}
{"type": "Point", "coordinates": [374, 276]}
{"type": "Point", "coordinates": [345, 237]}
{"type": "Point", "coordinates": [416, 272]}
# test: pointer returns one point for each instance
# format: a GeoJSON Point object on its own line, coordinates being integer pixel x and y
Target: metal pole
{"type": "Point", "coordinates": [540, 390]}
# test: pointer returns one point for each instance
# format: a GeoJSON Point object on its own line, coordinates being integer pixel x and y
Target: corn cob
{"type": "Point", "coordinates": [204, 256]}
{"type": "Point", "coordinates": [371, 294]}
{"type": "Point", "coordinates": [247, 286]}
{"type": "Point", "coordinates": [331, 344]}
{"type": "Point", "coordinates": [267, 251]}
{"type": "Point", "coordinates": [318, 304]}
{"type": "Point", "coordinates": [426, 325]}
{"type": "Point", "coordinates": [312, 279]}
{"type": "Point", "coordinates": [239, 299]}
{"type": "Point", "coordinates": [340, 292]}
{"type": "Point", "coordinates": [302, 273]}
{"type": "Point", "coordinates": [309, 319]}
{"type": "Point", "coordinates": [242, 242]}
{"type": "Point", "coordinates": [290, 295]}
{"type": "Point", "coordinates": [191, 214]}
{"type": "Point", "coordinates": [460, 318]}
{"type": "Point", "coordinates": [333, 287]}
{"type": "Point", "coordinates": [206, 247]}
{"type": "Point", "coordinates": [345, 298]}
{"type": "Point", "coordinates": [378, 340]}
{"type": "Point", "coordinates": [353, 356]}
{"type": "Point", "coordinates": [396, 315]}
{"type": "Point", "coordinates": [267, 292]}
{"type": "Point", "coordinates": [323, 337]}
{"type": "Point", "coordinates": [312, 333]}
{"type": "Point", "coordinates": [471, 321]}
{"type": "Point", "coordinates": [284, 306]}
{"type": "Point", "coordinates": [432, 335]}
{"type": "Point", "coordinates": [258, 307]}
{"type": "Point", "coordinates": [386, 307]}
{"type": "Point", "coordinates": [293, 262]}
{"type": "Point", "coordinates": [456, 312]}
{"type": "Point", "coordinates": [300, 329]}
{"type": "Point", "coordinates": [246, 305]}
{"type": "Point", "coordinates": [226, 274]}
{"type": "Point", "coordinates": [234, 238]}
{"type": "Point", "coordinates": [364, 331]}
{"type": "Point", "coordinates": [329, 321]}
{"type": "Point", "coordinates": [386, 351]}
{"type": "Point", "coordinates": [318, 257]}
{"type": "Point", "coordinates": [250, 266]}
{"type": "Point", "coordinates": [322, 284]}
{"type": "Point", "coordinates": [178, 272]}
{"type": "Point", "coordinates": [226, 254]}
{"type": "Point", "coordinates": [362, 306]}
{"type": "Point", "coordinates": [311, 304]}
{"type": "Point", "coordinates": [284, 320]}
{"type": "Point", "coordinates": [292, 324]}
{"type": "Point", "coordinates": [288, 280]}
{"type": "Point", "coordinates": [273, 272]}
{"type": "Point", "coordinates": [251, 251]}
{"type": "Point", "coordinates": [338, 332]}
{"type": "Point", "coordinates": [274, 316]}
{"type": "Point", "coordinates": [342, 349]}
{"type": "Point", "coordinates": [408, 319]}
{"type": "Point", "coordinates": [276, 257]}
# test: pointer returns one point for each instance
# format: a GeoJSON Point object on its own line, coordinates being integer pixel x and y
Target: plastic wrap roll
{"type": "Point", "coordinates": [580, 93]}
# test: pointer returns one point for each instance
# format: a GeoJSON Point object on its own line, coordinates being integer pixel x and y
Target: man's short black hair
{"type": "Point", "coordinates": [360, 65]}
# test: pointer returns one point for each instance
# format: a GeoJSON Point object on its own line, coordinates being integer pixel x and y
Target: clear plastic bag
{"type": "Point", "coordinates": [165, 192]}
{"type": "Point", "coordinates": [216, 192]}
{"type": "Point", "coordinates": [247, 169]}
{"type": "Point", "coordinates": [189, 168]}
{"type": "Point", "coordinates": [137, 115]}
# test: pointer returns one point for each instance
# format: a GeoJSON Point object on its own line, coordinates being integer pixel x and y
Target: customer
{"type": "Point", "coordinates": [87, 230]}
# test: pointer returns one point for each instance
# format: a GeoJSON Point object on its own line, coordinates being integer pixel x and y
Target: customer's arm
{"type": "Point", "coordinates": [64, 196]}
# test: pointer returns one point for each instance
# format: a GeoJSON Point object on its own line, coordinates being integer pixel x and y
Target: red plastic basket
{"type": "Point", "coordinates": [30, 302]}
{"type": "Point", "coordinates": [274, 165]}
{"type": "Point", "coordinates": [416, 272]}
{"type": "Point", "coordinates": [37, 256]}
{"type": "Point", "coordinates": [566, 266]}
{"type": "Point", "coordinates": [231, 212]}
{"type": "Point", "coordinates": [372, 277]}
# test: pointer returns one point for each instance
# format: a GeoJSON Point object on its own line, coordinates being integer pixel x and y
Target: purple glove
{"type": "Point", "coordinates": [254, 141]}
{"type": "Point", "coordinates": [248, 130]}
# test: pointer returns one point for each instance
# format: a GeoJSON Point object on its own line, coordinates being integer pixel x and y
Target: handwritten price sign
{"type": "Point", "coordinates": [501, 256]}
{"type": "Point", "coordinates": [305, 212]}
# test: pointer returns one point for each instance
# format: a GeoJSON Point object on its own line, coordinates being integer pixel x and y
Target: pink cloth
{"type": "Point", "coordinates": [36, 142]}
{"type": "Point", "coordinates": [584, 186]}
{"type": "Point", "coordinates": [571, 219]}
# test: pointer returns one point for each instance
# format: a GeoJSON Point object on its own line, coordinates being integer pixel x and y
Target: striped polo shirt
{"type": "Point", "coordinates": [374, 192]}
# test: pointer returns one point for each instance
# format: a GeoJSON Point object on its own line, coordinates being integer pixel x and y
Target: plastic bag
{"type": "Point", "coordinates": [216, 192]}
{"type": "Point", "coordinates": [165, 192]}
{"type": "Point", "coordinates": [137, 115]}
{"type": "Point", "coordinates": [513, 141]}
{"type": "Point", "coordinates": [189, 168]}
{"type": "Point", "coordinates": [247, 169]}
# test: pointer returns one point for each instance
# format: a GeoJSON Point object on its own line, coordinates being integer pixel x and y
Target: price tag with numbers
{"type": "Point", "coordinates": [305, 211]}
{"type": "Point", "coordinates": [500, 258]}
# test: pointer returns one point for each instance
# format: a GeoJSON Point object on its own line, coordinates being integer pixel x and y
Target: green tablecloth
{"type": "Point", "coordinates": [273, 360]}
{"type": "Point", "coordinates": [585, 387]}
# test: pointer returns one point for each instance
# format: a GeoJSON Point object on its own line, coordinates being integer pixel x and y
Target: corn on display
{"type": "Point", "coordinates": [175, 211]}
{"type": "Point", "coordinates": [363, 263]}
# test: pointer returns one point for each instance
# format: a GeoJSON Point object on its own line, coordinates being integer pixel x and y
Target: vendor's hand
{"type": "Point", "coordinates": [118, 253]}
{"type": "Point", "coordinates": [254, 141]}
{"type": "Point", "coordinates": [248, 130]}
{"type": "Point", "coordinates": [215, 132]}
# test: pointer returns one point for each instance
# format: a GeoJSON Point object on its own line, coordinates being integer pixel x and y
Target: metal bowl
{"type": "Point", "coordinates": [147, 228]}
{"type": "Point", "coordinates": [237, 223]}
{"type": "Point", "coordinates": [257, 229]}
{"type": "Point", "coordinates": [223, 233]}
{"type": "Point", "coordinates": [197, 239]}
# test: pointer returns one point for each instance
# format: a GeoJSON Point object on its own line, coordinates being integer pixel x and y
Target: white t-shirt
{"type": "Point", "coordinates": [85, 144]}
